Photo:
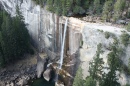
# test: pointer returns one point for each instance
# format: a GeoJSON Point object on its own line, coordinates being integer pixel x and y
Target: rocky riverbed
{"type": "Point", "coordinates": [18, 74]}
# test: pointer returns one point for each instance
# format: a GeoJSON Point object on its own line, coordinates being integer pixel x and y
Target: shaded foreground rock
{"type": "Point", "coordinates": [41, 64]}
{"type": "Point", "coordinates": [23, 81]}
{"type": "Point", "coordinates": [47, 74]}
{"type": "Point", "coordinates": [17, 78]}
{"type": "Point", "coordinates": [40, 69]}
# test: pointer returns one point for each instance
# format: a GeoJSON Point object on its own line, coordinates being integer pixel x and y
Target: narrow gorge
{"type": "Point", "coordinates": [68, 42]}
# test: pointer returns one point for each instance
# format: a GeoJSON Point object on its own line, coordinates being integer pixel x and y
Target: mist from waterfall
{"type": "Point", "coordinates": [62, 44]}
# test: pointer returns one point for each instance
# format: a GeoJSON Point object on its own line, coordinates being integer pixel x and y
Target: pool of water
{"type": "Point", "coordinates": [40, 82]}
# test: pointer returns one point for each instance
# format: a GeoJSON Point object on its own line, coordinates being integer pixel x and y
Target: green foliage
{"type": "Point", "coordinates": [100, 30]}
{"type": "Point", "coordinates": [14, 38]}
{"type": "Point", "coordinates": [41, 2]}
{"type": "Point", "coordinates": [1, 18]}
{"type": "Point", "coordinates": [19, 14]}
{"type": "Point", "coordinates": [127, 85]}
{"type": "Point", "coordinates": [110, 79]}
{"type": "Point", "coordinates": [1, 59]}
{"type": "Point", "coordinates": [89, 82]}
{"type": "Point", "coordinates": [91, 7]}
{"type": "Point", "coordinates": [96, 7]}
{"type": "Point", "coordinates": [81, 43]}
{"type": "Point", "coordinates": [107, 10]}
{"type": "Point", "coordinates": [78, 80]}
{"type": "Point", "coordinates": [126, 69]}
{"type": "Point", "coordinates": [118, 9]}
{"type": "Point", "coordinates": [128, 27]}
{"type": "Point", "coordinates": [113, 59]}
{"type": "Point", "coordinates": [128, 13]}
{"type": "Point", "coordinates": [114, 63]}
{"type": "Point", "coordinates": [76, 9]}
{"type": "Point", "coordinates": [125, 38]}
{"type": "Point", "coordinates": [107, 35]}
{"type": "Point", "coordinates": [96, 66]}
{"type": "Point", "coordinates": [50, 2]}
{"type": "Point", "coordinates": [129, 65]}
{"type": "Point", "coordinates": [64, 7]}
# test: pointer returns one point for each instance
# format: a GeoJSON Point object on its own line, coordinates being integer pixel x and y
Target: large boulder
{"type": "Point", "coordinates": [47, 74]}
{"type": "Point", "coordinates": [40, 69]}
{"type": "Point", "coordinates": [41, 65]}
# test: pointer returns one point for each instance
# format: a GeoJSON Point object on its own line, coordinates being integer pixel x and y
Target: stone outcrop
{"type": "Point", "coordinates": [47, 74]}
{"type": "Point", "coordinates": [41, 65]}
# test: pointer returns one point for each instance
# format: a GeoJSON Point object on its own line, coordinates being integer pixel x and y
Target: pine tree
{"type": "Point", "coordinates": [6, 34]}
{"type": "Point", "coordinates": [128, 27]}
{"type": "Point", "coordinates": [78, 80]}
{"type": "Point", "coordinates": [111, 79]}
{"type": "Point", "coordinates": [78, 2]}
{"type": "Point", "coordinates": [118, 9]}
{"type": "Point", "coordinates": [96, 66]}
{"type": "Point", "coordinates": [2, 61]}
{"type": "Point", "coordinates": [107, 11]}
{"type": "Point", "coordinates": [114, 65]}
{"type": "Point", "coordinates": [129, 64]}
{"type": "Point", "coordinates": [19, 14]}
{"type": "Point", "coordinates": [68, 5]}
{"type": "Point", "coordinates": [1, 18]}
{"type": "Point", "coordinates": [96, 7]}
{"type": "Point", "coordinates": [50, 5]}
{"type": "Point", "coordinates": [14, 38]}
{"type": "Point", "coordinates": [85, 4]}
{"type": "Point", "coordinates": [89, 82]}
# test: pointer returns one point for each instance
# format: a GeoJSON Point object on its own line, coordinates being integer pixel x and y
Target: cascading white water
{"type": "Point", "coordinates": [61, 35]}
{"type": "Point", "coordinates": [63, 43]}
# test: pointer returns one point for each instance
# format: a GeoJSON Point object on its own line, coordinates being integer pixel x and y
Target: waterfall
{"type": "Point", "coordinates": [63, 43]}
{"type": "Point", "coordinates": [61, 35]}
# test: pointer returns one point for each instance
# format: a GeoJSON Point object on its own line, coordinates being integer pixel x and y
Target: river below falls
{"type": "Point", "coordinates": [40, 82]}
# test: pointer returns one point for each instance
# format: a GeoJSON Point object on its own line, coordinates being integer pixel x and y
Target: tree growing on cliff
{"type": "Point", "coordinates": [125, 38]}
{"type": "Point", "coordinates": [19, 13]}
{"type": "Point", "coordinates": [96, 65]}
{"type": "Point", "coordinates": [14, 38]}
{"type": "Point", "coordinates": [89, 82]}
{"type": "Point", "coordinates": [96, 68]}
{"type": "Point", "coordinates": [114, 65]}
{"type": "Point", "coordinates": [78, 80]}
{"type": "Point", "coordinates": [1, 18]}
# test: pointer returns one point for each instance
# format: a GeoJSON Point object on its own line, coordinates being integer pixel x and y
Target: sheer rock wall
{"type": "Point", "coordinates": [46, 30]}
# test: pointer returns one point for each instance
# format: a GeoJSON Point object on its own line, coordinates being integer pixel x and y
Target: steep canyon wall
{"type": "Point", "coordinates": [46, 30]}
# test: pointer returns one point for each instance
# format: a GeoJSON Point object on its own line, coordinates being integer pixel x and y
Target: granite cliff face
{"type": "Point", "coordinates": [46, 30]}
